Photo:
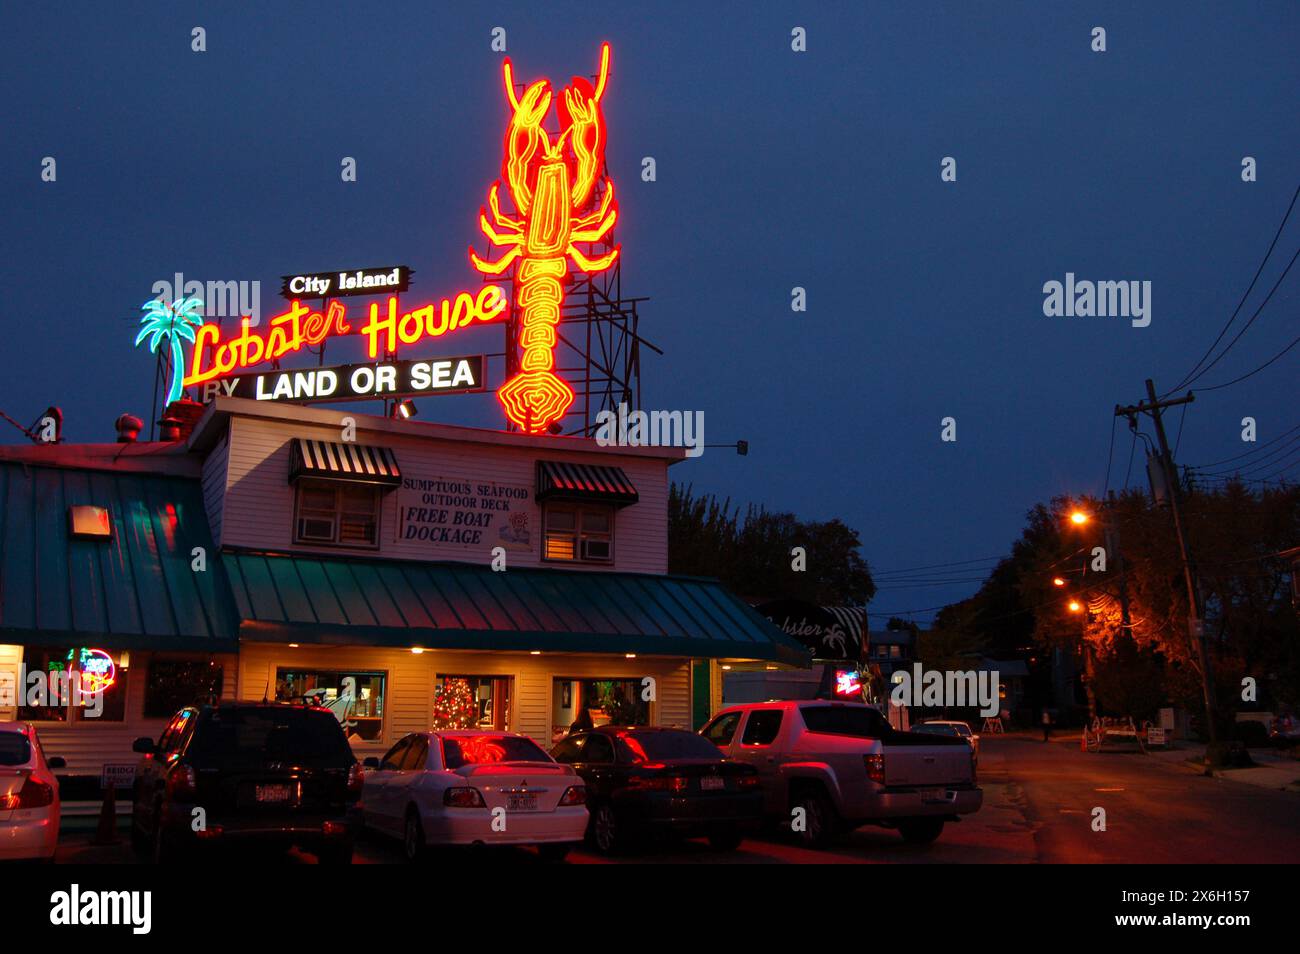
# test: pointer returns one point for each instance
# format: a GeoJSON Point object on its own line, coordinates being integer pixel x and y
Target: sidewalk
{"type": "Point", "coordinates": [1272, 770]}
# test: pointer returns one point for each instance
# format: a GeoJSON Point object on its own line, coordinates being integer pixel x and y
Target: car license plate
{"type": "Point", "coordinates": [712, 783]}
{"type": "Point", "coordinates": [934, 795]}
{"type": "Point", "coordinates": [521, 803]}
{"type": "Point", "coordinates": [271, 793]}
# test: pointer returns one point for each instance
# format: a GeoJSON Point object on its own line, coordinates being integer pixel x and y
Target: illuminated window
{"type": "Point", "coordinates": [355, 698]}
{"type": "Point", "coordinates": [52, 693]}
{"type": "Point", "coordinates": [587, 703]}
{"type": "Point", "coordinates": [578, 533]}
{"type": "Point", "coordinates": [338, 514]}
{"type": "Point", "coordinates": [471, 702]}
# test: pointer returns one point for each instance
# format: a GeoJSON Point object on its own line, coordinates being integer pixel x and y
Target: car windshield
{"type": "Point", "coordinates": [14, 749]}
{"type": "Point", "coordinates": [935, 729]}
{"type": "Point", "coordinates": [664, 746]}
{"type": "Point", "coordinates": [861, 722]}
{"type": "Point", "coordinates": [460, 750]}
{"type": "Point", "coordinates": [287, 733]}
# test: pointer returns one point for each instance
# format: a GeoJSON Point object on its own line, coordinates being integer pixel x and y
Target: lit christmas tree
{"type": "Point", "coordinates": [454, 706]}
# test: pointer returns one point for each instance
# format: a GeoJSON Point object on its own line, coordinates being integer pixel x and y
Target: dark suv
{"type": "Point", "coordinates": [242, 772]}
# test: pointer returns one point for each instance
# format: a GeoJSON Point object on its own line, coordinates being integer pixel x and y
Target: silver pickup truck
{"type": "Point", "coordinates": [845, 766]}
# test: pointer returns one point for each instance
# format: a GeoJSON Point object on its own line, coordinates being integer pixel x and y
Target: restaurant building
{"type": "Point", "coordinates": [406, 574]}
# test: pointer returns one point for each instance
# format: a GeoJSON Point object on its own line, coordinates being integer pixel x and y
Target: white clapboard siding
{"type": "Point", "coordinates": [257, 511]}
{"type": "Point", "coordinates": [410, 682]}
{"type": "Point", "coordinates": [214, 486]}
{"type": "Point", "coordinates": [87, 744]}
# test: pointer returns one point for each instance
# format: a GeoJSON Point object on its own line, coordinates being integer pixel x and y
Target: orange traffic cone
{"type": "Point", "coordinates": [106, 833]}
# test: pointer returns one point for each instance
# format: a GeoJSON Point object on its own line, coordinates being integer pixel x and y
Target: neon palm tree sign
{"type": "Point", "coordinates": [174, 322]}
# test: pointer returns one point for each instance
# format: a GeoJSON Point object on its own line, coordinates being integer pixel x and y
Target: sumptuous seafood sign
{"type": "Point", "coordinates": [561, 201]}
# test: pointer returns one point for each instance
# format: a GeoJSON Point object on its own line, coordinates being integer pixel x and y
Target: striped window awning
{"type": "Point", "coordinates": [353, 463]}
{"type": "Point", "coordinates": [563, 481]}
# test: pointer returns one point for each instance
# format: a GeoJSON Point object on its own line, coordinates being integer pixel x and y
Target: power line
{"type": "Point", "coordinates": [933, 566]}
{"type": "Point", "coordinates": [1249, 288]}
{"type": "Point", "coordinates": [1248, 374]}
{"type": "Point", "coordinates": [1248, 467]}
{"type": "Point", "coordinates": [1256, 450]}
{"type": "Point", "coordinates": [1246, 326]}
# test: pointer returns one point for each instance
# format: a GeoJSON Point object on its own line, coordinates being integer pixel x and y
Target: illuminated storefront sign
{"type": "Point", "coordinates": [299, 327]}
{"type": "Point", "coordinates": [561, 200]}
{"type": "Point", "coordinates": [552, 184]}
{"type": "Point", "coordinates": [355, 382]}
{"type": "Point", "coordinates": [357, 281]}
{"type": "Point", "coordinates": [96, 668]}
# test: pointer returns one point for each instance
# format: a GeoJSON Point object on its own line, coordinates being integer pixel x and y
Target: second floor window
{"type": "Point", "coordinates": [579, 533]}
{"type": "Point", "coordinates": [337, 513]}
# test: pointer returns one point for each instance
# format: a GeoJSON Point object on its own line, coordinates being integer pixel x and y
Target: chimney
{"type": "Point", "coordinates": [178, 419]}
{"type": "Point", "coordinates": [128, 428]}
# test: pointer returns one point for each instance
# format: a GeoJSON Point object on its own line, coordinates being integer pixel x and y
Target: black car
{"type": "Point", "coordinates": [242, 772]}
{"type": "Point", "coordinates": [643, 780]}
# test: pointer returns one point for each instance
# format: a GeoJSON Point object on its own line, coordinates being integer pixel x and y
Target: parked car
{"type": "Point", "coordinates": [950, 727]}
{"type": "Point", "coordinates": [252, 773]}
{"type": "Point", "coordinates": [29, 795]}
{"type": "Point", "coordinates": [452, 787]}
{"type": "Point", "coordinates": [642, 780]}
{"type": "Point", "coordinates": [845, 766]}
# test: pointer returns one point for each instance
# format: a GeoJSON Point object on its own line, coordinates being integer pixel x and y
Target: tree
{"type": "Point", "coordinates": [754, 557]}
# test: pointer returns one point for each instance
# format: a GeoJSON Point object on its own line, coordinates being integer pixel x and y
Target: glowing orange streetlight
{"type": "Point", "coordinates": [1057, 581]}
{"type": "Point", "coordinates": [1078, 518]}
{"type": "Point", "coordinates": [1075, 606]}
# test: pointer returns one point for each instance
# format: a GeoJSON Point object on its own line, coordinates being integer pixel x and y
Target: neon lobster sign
{"type": "Point", "coordinates": [552, 185]}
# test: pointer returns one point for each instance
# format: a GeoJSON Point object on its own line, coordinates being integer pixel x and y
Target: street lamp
{"type": "Point", "coordinates": [1078, 518]}
{"type": "Point", "coordinates": [1057, 581]}
{"type": "Point", "coordinates": [1075, 606]}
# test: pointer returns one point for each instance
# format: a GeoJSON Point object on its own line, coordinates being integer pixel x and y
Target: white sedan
{"type": "Point", "coordinates": [467, 787]}
{"type": "Point", "coordinates": [29, 795]}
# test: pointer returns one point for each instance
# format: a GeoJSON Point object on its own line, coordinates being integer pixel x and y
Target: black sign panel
{"type": "Point", "coordinates": [825, 634]}
{"type": "Point", "coordinates": [388, 280]}
{"type": "Point", "coordinates": [355, 382]}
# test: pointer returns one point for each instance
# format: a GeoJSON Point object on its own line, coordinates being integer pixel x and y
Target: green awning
{"type": "Point", "coordinates": [136, 589]}
{"type": "Point", "coordinates": [353, 601]}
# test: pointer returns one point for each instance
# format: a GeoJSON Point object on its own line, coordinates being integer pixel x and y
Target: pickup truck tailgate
{"type": "Point", "coordinates": [929, 764]}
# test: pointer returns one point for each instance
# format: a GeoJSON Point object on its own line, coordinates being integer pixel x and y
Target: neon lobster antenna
{"type": "Point", "coordinates": [509, 75]}
{"type": "Point", "coordinates": [604, 70]}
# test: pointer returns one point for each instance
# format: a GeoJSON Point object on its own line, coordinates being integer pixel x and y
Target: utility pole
{"type": "Point", "coordinates": [1196, 625]}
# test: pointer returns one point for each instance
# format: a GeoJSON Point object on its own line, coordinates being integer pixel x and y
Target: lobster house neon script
{"type": "Point", "coordinates": [299, 326]}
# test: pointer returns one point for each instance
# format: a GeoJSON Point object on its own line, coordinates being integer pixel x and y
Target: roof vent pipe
{"type": "Point", "coordinates": [128, 428]}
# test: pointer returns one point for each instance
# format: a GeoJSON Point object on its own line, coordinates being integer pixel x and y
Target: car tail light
{"type": "Point", "coordinates": [659, 783]}
{"type": "Point", "coordinates": [334, 828]}
{"type": "Point", "coordinates": [747, 781]}
{"type": "Point", "coordinates": [875, 767]}
{"type": "Point", "coordinates": [181, 783]}
{"type": "Point", "coordinates": [574, 795]}
{"type": "Point", "coordinates": [463, 798]}
{"type": "Point", "coordinates": [356, 780]}
{"type": "Point", "coordinates": [33, 794]}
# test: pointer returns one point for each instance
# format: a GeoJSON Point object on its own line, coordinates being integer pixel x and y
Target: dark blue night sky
{"type": "Point", "coordinates": [775, 169]}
